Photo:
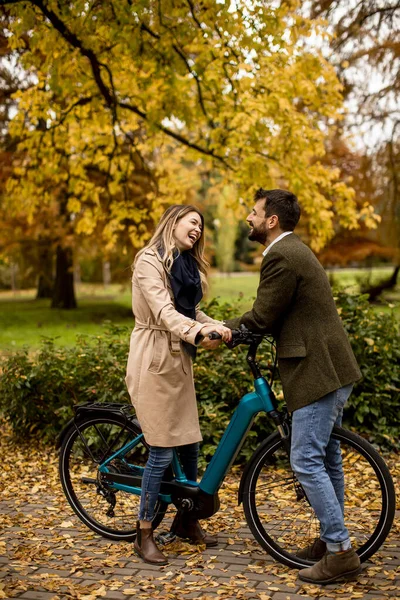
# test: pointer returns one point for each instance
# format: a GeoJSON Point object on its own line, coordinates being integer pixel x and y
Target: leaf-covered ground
{"type": "Point", "coordinates": [47, 553]}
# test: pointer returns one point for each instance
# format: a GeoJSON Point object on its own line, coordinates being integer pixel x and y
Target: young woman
{"type": "Point", "coordinates": [168, 280]}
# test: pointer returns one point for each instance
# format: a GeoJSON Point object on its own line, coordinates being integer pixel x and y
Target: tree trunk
{"type": "Point", "coordinates": [14, 273]}
{"type": "Point", "coordinates": [77, 274]}
{"type": "Point", "coordinates": [106, 273]}
{"type": "Point", "coordinates": [45, 283]}
{"type": "Point", "coordinates": [64, 293]}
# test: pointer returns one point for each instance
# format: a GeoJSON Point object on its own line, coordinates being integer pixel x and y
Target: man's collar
{"type": "Point", "coordinates": [268, 248]}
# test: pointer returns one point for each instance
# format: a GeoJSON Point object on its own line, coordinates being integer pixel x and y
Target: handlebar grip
{"type": "Point", "coordinates": [214, 336]}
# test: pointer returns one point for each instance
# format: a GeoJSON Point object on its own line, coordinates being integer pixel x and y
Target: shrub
{"type": "Point", "coordinates": [37, 392]}
{"type": "Point", "coordinates": [373, 407]}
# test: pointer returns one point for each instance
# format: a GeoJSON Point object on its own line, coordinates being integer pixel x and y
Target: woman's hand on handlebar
{"type": "Point", "coordinates": [224, 332]}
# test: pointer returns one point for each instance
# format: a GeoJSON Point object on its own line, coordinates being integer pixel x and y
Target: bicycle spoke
{"type": "Point", "coordinates": [286, 481]}
{"type": "Point", "coordinates": [93, 444]}
{"type": "Point", "coordinates": [282, 519]}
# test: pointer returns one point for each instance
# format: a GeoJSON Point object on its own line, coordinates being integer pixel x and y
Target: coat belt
{"type": "Point", "coordinates": [175, 345]}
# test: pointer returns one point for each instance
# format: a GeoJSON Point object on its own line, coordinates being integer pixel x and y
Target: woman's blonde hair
{"type": "Point", "coordinates": [163, 237]}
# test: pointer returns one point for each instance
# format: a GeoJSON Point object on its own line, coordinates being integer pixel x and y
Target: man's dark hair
{"type": "Point", "coordinates": [281, 203]}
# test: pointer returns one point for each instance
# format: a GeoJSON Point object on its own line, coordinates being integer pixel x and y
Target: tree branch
{"type": "Point", "coordinates": [195, 19]}
{"type": "Point", "coordinates": [107, 93]}
{"type": "Point", "coordinates": [80, 102]}
{"type": "Point", "coordinates": [376, 11]}
{"type": "Point", "coordinates": [182, 140]}
{"type": "Point", "coordinates": [181, 54]}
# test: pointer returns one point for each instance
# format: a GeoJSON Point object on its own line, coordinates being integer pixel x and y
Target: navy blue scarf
{"type": "Point", "coordinates": [186, 287]}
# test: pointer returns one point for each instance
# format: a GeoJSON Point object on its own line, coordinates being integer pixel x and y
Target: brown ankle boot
{"type": "Point", "coordinates": [315, 551]}
{"type": "Point", "coordinates": [146, 548]}
{"type": "Point", "coordinates": [331, 567]}
{"type": "Point", "coordinates": [189, 528]}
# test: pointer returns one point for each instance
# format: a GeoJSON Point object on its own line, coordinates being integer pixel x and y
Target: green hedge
{"type": "Point", "coordinates": [37, 391]}
{"type": "Point", "coordinates": [373, 407]}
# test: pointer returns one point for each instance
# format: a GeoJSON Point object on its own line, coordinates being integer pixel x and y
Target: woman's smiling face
{"type": "Point", "coordinates": [188, 231]}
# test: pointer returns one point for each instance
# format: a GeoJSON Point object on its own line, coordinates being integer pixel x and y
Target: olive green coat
{"type": "Point", "coordinates": [159, 372]}
{"type": "Point", "coordinates": [294, 303]}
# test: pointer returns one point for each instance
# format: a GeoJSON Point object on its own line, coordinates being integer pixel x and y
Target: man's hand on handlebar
{"type": "Point", "coordinates": [214, 335]}
{"type": "Point", "coordinates": [224, 335]}
{"type": "Point", "coordinates": [240, 336]}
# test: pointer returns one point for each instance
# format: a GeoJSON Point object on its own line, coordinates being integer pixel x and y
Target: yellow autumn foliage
{"type": "Point", "coordinates": [132, 105]}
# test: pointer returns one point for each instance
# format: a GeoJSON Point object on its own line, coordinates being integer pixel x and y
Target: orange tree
{"type": "Point", "coordinates": [365, 53]}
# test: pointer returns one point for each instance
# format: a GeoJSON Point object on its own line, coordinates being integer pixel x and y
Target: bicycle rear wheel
{"type": "Point", "coordinates": [282, 520]}
{"type": "Point", "coordinates": [109, 512]}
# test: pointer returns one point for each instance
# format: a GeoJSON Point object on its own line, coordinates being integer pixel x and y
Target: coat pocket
{"type": "Point", "coordinates": [292, 351]}
{"type": "Point", "coordinates": [155, 362]}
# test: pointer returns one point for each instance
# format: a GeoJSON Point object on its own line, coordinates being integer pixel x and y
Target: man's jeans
{"type": "Point", "coordinates": [159, 460]}
{"type": "Point", "coordinates": [317, 463]}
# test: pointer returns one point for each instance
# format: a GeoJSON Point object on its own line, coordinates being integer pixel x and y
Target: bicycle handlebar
{"type": "Point", "coordinates": [240, 336]}
{"type": "Point", "coordinates": [249, 338]}
{"type": "Point", "coordinates": [214, 336]}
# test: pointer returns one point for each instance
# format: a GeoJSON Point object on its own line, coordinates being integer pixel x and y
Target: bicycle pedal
{"type": "Point", "coordinates": [165, 537]}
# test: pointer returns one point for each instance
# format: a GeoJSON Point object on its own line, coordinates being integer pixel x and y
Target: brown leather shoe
{"type": "Point", "coordinates": [146, 548]}
{"type": "Point", "coordinates": [188, 528]}
{"type": "Point", "coordinates": [332, 567]}
{"type": "Point", "coordinates": [314, 551]}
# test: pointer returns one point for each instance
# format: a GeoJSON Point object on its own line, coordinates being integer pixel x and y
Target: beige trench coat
{"type": "Point", "coordinates": [159, 372]}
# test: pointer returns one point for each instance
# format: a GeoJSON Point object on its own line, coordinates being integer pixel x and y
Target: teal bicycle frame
{"type": "Point", "coordinates": [261, 400]}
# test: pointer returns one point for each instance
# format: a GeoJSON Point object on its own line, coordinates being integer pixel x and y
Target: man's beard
{"type": "Point", "coordinates": [258, 234]}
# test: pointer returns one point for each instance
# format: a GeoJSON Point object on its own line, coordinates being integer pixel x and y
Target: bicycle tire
{"type": "Point", "coordinates": [76, 465]}
{"type": "Point", "coordinates": [283, 523]}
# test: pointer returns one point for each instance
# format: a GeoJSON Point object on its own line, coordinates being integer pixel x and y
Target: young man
{"type": "Point", "coordinates": [317, 368]}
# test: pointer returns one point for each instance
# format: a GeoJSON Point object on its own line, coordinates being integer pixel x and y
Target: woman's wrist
{"type": "Point", "coordinates": [198, 339]}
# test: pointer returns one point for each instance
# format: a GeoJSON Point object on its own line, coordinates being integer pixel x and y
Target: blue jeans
{"type": "Point", "coordinates": [317, 463]}
{"type": "Point", "coordinates": [158, 461]}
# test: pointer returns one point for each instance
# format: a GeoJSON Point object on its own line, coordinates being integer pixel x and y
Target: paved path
{"type": "Point", "coordinates": [48, 554]}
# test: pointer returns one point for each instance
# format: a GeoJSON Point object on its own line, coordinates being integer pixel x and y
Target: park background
{"type": "Point", "coordinates": [110, 111]}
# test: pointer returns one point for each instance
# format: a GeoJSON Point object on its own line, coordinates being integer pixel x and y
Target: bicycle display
{"type": "Point", "coordinates": [103, 455]}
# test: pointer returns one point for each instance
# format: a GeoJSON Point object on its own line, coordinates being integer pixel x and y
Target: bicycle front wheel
{"type": "Point", "coordinates": [109, 512]}
{"type": "Point", "coordinates": [281, 518]}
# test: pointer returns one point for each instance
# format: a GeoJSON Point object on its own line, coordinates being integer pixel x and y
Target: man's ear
{"type": "Point", "coordinates": [274, 221]}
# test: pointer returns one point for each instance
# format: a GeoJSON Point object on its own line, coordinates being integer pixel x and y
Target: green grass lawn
{"type": "Point", "coordinates": [244, 286]}
{"type": "Point", "coordinates": [24, 320]}
{"type": "Point", "coordinates": [234, 287]}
